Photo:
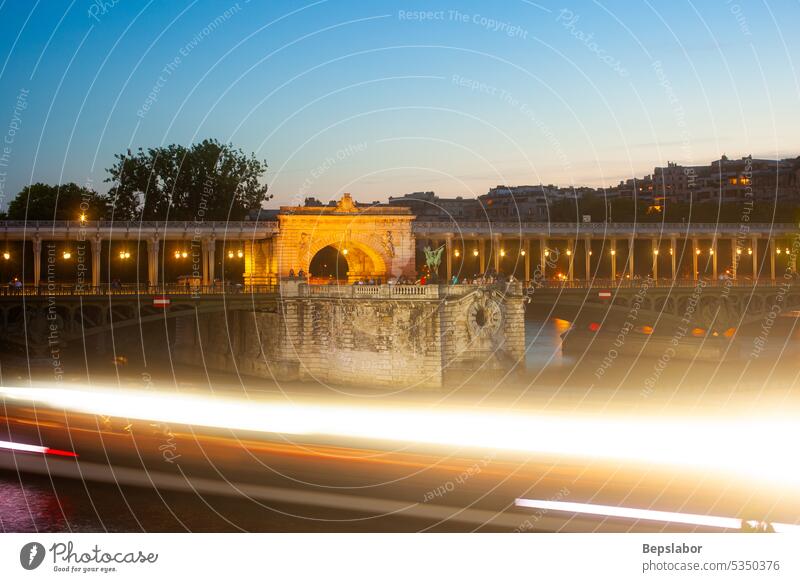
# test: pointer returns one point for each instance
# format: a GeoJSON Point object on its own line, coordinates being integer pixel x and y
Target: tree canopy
{"type": "Point", "coordinates": [65, 202]}
{"type": "Point", "coordinates": [207, 181]}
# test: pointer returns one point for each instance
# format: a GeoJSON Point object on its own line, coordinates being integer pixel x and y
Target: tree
{"type": "Point", "coordinates": [65, 202]}
{"type": "Point", "coordinates": [208, 181]}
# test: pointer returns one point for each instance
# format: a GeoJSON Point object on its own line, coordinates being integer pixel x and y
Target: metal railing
{"type": "Point", "coordinates": [66, 289]}
{"type": "Point", "coordinates": [638, 283]}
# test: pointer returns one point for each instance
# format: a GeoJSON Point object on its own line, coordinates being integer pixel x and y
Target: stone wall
{"type": "Point", "coordinates": [376, 338]}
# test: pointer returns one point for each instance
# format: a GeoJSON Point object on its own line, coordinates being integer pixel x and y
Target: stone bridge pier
{"type": "Point", "coordinates": [392, 336]}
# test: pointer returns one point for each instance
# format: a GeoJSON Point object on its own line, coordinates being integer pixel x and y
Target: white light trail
{"type": "Point", "coordinates": [759, 449]}
{"type": "Point", "coordinates": [645, 514]}
{"type": "Point", "coordinates": [9, 446]}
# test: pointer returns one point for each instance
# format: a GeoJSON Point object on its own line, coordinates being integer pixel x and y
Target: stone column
{"type": "Point", "coordinates": [771, 251]}
{"type": "Point", "coordinates": [543, 258]}
{"type": "Point", "coordinates": [448, 250]}
{"type": "Point", "coordinates": [153, 245]}
{"type": "Point", "coordinates": [631, 257]}
{"type": "Point", "coordinates": [714, 258]}
{"type": "Point", "coordinates": [37, 260]}
{"type": "Point", "coordinates": [754, 242]}
{"type": "Point", "coordinates": [695, 274]}
{"type": "Point", "coordinates": [673, 253]}
{"type": "Point", "coordinates": [571, 258]}
{"type": "Point", "coordinates": [654, 244]}
{"type": "Point", "coordinates": [588, 257]}
{"type": "Point", "coordinates": [482, 255]}
{"type": "Point", "coordinates": [614, 260]}
{"type": "Point", "coordinates": [97, 247]}
{"type": "Point", "coordinates": [211, 248]}
{"type": "Point", "coordinates": [526, 251]}
{"type": "Point", "coordinates": [496, 253]}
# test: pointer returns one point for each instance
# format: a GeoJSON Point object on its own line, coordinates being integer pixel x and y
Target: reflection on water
{"type": "Point", "coordinates": [543, 337]}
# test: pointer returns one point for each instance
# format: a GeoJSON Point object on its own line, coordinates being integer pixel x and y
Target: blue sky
{"type": "Point", "coordinates": [376, 99]}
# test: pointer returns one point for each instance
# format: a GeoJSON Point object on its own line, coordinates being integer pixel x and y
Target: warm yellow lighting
{"type": "Point", "coordinates": [778, 251]}
{"type": "Point", "coordinates": [787, 251]}
{"type": "Point", "coordinates": [239, 254]}
{"type": "Point", "coordinates": [6, 255]}
{"type": "Point", "coordinates": [670, 250]}
{"type": "Point", "coordinates": [655, 251]}
{"type": "Point", "coordinates": [590, 253]}
{"type": "Point", "coordinates": [344, 251]}
{"type": "Point", "coordinates": [613, 252]}
{"type": "Point", "coordinates": [184, 254]}
{"type": "Point", "coordinates": [546, 252]}
{"type": "Point", "coordinates": [177, 254]}
{"type": "Point", "coordinates": [710, 251]}
{"type": "Point", "coordinates": [759, 453]}
{"type": "Point", "coordinates": [738, 251]}
{"type": "Point", "coordinates": [522, 253]}
{"type": "Point", "coordinates": [83, 218]}
{"type": "Point", "coordinates": [502, 253]}
{"type": "Point", "coordinates": [230, 254]}
{"type": "Point", "coordinates": [124, 255]}
{"type": "Point", "coordinates": [67, 255]}
{"type": "Point", "coordinates": [697, 252]}
{"type": "Point", "coordinates": [569, 252]}
{"type": "Point", "coordinates": [475, 252]}
{"type": "Point", "coordinates": [457, 253]}
{"type": "Point", "coordinates": [749, 251]}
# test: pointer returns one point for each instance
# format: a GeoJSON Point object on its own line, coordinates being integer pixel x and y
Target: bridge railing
{"type": "Point", "coordinates": [641, 282]}
{"type": "Point", "coordinates": [105, 290]}
{"type": "Point", "coordinates": [385, 291]}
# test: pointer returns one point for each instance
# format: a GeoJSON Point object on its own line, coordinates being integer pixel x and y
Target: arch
{"type": "Point", "coordinates": [328, 264]}
{"type": "Point", "coordinates": [363, 257]}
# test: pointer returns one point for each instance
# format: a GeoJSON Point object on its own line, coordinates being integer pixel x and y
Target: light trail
{"type": "Point", "coordinates": [753, 448]}
{"type": "Point", "coordinates": [647, 514]}
{"type": "Point", "coordinates": [21, 447]}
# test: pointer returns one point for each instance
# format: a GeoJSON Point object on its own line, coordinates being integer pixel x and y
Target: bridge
{"type": "Point", "coordinates": [281, 322]}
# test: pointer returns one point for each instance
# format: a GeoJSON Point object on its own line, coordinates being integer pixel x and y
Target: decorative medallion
{"type": "Point", "coordinates": [484, 317]}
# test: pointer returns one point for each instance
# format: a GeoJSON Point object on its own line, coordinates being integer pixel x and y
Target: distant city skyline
{"type": "Point", "coordinates": [382, 99]}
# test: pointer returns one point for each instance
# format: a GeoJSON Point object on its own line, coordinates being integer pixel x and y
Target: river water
{"type": "Point", "coordinates": [29, 503]}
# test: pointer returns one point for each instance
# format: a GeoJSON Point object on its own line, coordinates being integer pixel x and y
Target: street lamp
{"type": "Point", "coordinates": [457, 253]}
{"type": "Point", "coordinates": [239, 253]}
{"type": "Point", "coordinates": [475, 253]}
{"type": "Point", "coordinates": [344, 251]}
{"type": "Point", "coordinates": [67, 255]}
{"type": "Point", "coordinates": [6, 255]}
{"type": "Point", "coordinates": [124, 255]}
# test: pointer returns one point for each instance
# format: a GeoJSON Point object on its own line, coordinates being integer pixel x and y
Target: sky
{"type": "Point", "coordinates": [383, 98]}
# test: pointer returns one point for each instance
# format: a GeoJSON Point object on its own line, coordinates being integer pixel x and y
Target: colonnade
{"type": "Point", "coordinates": [493, 251]}
{"type": "Point", "coordinates": [201, 254]}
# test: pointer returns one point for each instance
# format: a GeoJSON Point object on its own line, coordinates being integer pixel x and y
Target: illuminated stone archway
{"type": "Point", "coordinates": [377, 240]}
